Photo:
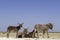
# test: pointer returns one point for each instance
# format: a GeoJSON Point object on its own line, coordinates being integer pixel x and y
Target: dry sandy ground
{"type": "Point", "coordinates": [13, 35]}
{"type": "Point", "coordinates": [28, 39]}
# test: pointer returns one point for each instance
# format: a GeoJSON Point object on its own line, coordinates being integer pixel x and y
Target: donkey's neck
{"type": "Point", "coordinates": [18, 27]}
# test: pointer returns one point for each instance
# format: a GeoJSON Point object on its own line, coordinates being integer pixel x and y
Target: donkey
{"type": "Point", "coordinates": [31, 34]}
{"type": "Point", "coordinates": [44, 28]}
{"type": "Point", "coordinates": [14, 29]}
{"type": "Point", "coordinates": [25, 32]}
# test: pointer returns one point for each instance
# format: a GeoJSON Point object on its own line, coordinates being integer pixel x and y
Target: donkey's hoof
{"type": "Point", "coordinates": [48, 37]}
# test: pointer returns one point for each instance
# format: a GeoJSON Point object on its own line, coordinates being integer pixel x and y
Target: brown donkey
{"type": "Point", "coordinates": [14, 29]}
{"type": "Point", "coordinates": [44, 28]}
{"type": "Point", "coordinates": [24, 33]}
{"type": "Point", "coordinates": [31, 34]}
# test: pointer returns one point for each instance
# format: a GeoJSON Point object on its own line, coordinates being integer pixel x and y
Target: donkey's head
{"type": "Point", "coordinates": [50, 25]}
{"type": "Point", "coordinates": [20, 25]}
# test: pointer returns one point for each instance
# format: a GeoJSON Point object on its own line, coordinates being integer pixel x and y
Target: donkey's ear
{"type": "Point", "coordinates": [18, 23]}
{"type": "Point", "coordinates": [49, 23]}
{"type": "Point", "coordinates": [22, 23]}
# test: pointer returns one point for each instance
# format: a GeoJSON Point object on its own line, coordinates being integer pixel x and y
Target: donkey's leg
{"type": "Point", "coordinates": [43, 33]}
{"type": "Point", "coordinates": [17, 35]}
{"type": "Point", "coordinates": [8, 34]}
{"type": "Point", "coordinates": [47, 34]}
{"type": "Point", "coordinates": [33, 34]}
{"type": "Point", "coordinates": [37, 34]}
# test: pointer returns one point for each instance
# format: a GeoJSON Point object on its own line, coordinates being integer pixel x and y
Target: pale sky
{"type": "Point", "coordinates": [30, 12]}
